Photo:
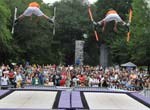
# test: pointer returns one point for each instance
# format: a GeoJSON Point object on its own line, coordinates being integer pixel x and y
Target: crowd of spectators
{"type": "Point", "coordinates": [80, 76]}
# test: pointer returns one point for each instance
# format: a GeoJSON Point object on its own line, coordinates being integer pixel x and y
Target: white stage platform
{"type": "Point", "coordinates": [29, 99]}
{"type": "Point", "coordinates": [112, 101]}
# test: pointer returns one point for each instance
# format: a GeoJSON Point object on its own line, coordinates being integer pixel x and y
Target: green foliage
{"type": "Point", "coordinates": [115, 41]}
{"type": "Point", "coordinates": [5, 36]}
{"type": "Point", "coordinates": [122, 7]}
{"type": "Point", "coordinates": [72, 22]}
{"type": "Point", "coordinates": [4, 16]}
{"type": "Point", "coordinates": [34, 41]}
{"type": "Point", "coordinates": [139, 45]}
{"type": "Point", "coordinates": [119, 51]}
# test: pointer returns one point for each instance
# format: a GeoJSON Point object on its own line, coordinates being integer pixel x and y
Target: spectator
{"type": "Point", "coordinates": [36, 80]}
{"type": "Point", "coordinates": [51, 83]}
{"type": "Point", "coordinates": [57, 79]}
{"type": "Point", "coordinates": [11, 76]}
{"type": "Point", "coordinates": [18, 79]}
{"type": "Point", "coordinates": [0, 74]}
{"type": "Point", "coordinates": [4, 81]}
{"type": "Point", "coordinates": [82, 79]}
{"type": "Point", "coordinates": [147, 83]}
{"type": "Point", "coordinates": [29, 79]}
{"type": "Point", "coordinates": [82, 76]}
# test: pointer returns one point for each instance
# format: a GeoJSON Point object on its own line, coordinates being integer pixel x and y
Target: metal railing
{"type": "Point", "coordinates": [146, 92]}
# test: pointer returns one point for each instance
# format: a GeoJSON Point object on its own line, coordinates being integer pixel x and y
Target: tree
{"type": "Point", "coordinates": [5, 36]}
{"type": "Point", "coordinates": [116, 42]}
{"type": "Point", "coordinates": [32, 41]}
{"type": "Point", "coordinates": [72, 23]}
{"type": "Point", "coordinates": [139, 45]}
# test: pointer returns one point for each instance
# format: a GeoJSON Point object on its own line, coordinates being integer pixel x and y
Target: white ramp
{"type": "Point", "coordinates": [29, 99]}
{"type": "Point", "coordinates": [112, 101]}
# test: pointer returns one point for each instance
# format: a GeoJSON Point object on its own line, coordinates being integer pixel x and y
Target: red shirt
{"type": "Point", "coordinates": [11, 75]}
{"type": "Point", "coordinates": [82, 79]}
{"type": "Point", "coordinates": [62, 82]}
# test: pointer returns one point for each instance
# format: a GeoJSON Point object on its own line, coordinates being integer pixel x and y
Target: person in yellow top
{"type": "Point", "coordinates": [110, 16]}
{"type": "Point", "coordinates": [34, 8]}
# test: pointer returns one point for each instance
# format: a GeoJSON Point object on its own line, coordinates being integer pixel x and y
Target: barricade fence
{"type": "Point", "coordinates": [146, 92]}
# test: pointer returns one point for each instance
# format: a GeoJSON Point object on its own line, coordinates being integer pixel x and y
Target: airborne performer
{"type": "Point", "coordinates": [34, 8]}
{"type": "Point", "coordinates": [111, 15]}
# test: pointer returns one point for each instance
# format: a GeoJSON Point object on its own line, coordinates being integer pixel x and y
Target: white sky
{"type": "Point", "coordinates": [52, 1]}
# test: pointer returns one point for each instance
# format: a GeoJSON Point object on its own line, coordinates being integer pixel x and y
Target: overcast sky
{"type": "Point", "coordinates": [52, 1]}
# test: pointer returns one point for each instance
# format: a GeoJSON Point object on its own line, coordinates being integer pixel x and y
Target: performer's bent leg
{"type": "Point", "coordinates": [37, 19]}
{"type": "Point", "coordinates": [104, 25]}
{"type": "Point", "coordinates": [101, 22]}
{"type": "Point", "coordinates": [51, 20]}
{"type": "Point", "coordinates": [19, 18]}
{"type": "Point", "coordinates": [27, 12]}
{"type": "Point", "coordinates": [115, 27]}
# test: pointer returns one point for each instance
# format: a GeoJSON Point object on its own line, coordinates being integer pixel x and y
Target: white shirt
{"type": "Point", "coordinates": [4, 80]}
{"type": "Point", "coordinates": [95, 82]}
{"type": "Point", "coordinates": [0, 72]}
{"type": "Point", "coordinates": [18, 78]}
{"type": "Point", "coordinates": [36, 81]}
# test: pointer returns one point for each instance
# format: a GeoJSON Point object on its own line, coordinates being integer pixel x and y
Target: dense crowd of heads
{"type": "Point", "coordinates": [80, 76]}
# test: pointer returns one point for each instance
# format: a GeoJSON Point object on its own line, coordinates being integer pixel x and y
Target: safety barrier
{"type": "Point", "coordinates": [146, 92]}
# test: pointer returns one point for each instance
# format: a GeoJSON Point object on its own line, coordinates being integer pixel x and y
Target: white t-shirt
{"type": "Point", "coordinates": [36, 82]}
{"type": "Point", "coordinates": [90, 81]}
{"type": "Point", "coordinates": [18, 78]}
{"type": "Point", "coordinates": [0, 72]}
{"type": "Point", "coordinates": [4, 81]}
{"type": "Point", "coordinates": [95, 82]}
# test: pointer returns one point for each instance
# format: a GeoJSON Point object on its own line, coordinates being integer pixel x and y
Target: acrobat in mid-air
{"type": "Point", "coordinates": [111, 15]}
{"type": "Point", "coordinates": [34, 8]}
